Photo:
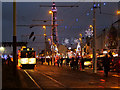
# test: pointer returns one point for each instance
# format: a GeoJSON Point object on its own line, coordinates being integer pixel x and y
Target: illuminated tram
{"type": "Point", "coordinates": [26, 57]}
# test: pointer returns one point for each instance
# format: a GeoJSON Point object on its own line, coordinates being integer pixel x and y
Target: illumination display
{"type": "Point", "coordinates": [89, 33]}
{"type": "Point", "coordinates": [104, 3]}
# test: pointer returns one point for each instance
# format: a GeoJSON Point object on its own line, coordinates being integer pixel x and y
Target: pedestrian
{"type": "Point", "coordinates": [106, 65]}
{"type": "Point", "coordinates": [110, 53]}
{"type": "Point", "coordinates": [77, 58]}
{"type": "Point", "coordinates": [61, 61]}
{"type": "Point", "coordinates": [8, 59]}
{"type": "Point", "coordinates": [72, 63]}
{"type": "Point", "coordinates": [42, 60]}
{"type": "Point", "coordinates": [82, 63]}
{"type": "Point", "coordinates": [58, 61]}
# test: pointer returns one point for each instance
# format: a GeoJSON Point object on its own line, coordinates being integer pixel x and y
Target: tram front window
{"type": "Point", "coordinates": [28, 54]}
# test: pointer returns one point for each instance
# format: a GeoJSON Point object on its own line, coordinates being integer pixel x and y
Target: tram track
{"type": "Point", "coordinates": [45, 75]}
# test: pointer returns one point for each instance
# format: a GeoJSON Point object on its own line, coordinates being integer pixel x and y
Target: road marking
{"type": "Point", "coordinates": [52, 79]}
{"type": "Point", "coordinates": [32, 80]}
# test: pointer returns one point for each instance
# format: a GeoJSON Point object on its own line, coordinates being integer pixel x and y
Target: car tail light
{"type": "Point", "coordinates": [119, 61]}
{"type": "Point", "coordinates": [112, 60]}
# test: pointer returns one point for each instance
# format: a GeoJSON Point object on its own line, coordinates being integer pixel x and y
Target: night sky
{"type": "Point", "coordinates": [76, 20]}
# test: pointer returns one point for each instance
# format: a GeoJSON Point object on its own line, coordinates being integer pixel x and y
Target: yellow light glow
{"type": "Point", "coordinates": [48, 39]}
{"type": "Point", "coordinates": [44, 27]}
{"type": "Point", "coordinates": [91, 26]}
{"type": "Point", "coordinates": [24, 60]}
{"type": "Point", "coordinates": [87, 63]}
{"type": "Point", "coordinates": [50, 12]}
{"type": "Point", "coordinates": [2, 48]}
{"type": "Point", "coordinates": [32, 60]}
{"type": "Point", "coordinates": [27, 49]}
{"type": "Point", "coordinates": [118, 12]}
{"type": "Point", "coordinates": [80, 39]}
{"type": "Point", "coordinates": [44, 34]}
{"type": "Point", "coordinates": [23, 47]}
{"type": "Point", "coordinates": [81, 35]}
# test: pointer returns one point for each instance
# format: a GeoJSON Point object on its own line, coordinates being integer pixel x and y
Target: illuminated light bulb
{"type": "Point", "coordinates": [77, 20]}
{"type": "Point", "coordinates": [94, 5]}
{"type": "Point", "coordinates": [65, 27]}
{"type": "Point", "coordinates": [104, 3]}
{"type": "Point", "coordinates": [44, 27]}
{"type": "Point", "coordinates": [98, 4]}
{"type": "Point", "coordinates": [50, 12]}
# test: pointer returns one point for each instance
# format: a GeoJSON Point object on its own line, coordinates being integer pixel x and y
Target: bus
{"type": "Point", "coordinates": [26, 57]}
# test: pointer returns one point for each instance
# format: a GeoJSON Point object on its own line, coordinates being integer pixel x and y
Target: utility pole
{"type": "Point", "coordinates": [14, 36]}
{"type": "Point", "coordinates": [94, 39]}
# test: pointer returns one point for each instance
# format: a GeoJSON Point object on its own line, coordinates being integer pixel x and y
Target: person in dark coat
{"type": "Point", "coordinates": [82, 63]}
{"type": "Point", "coordinates": [8, 59]}
{"type": "Point", "coordinates": [61, 61]}
{"type": "Point", "coordinates": [58, 61]}
{"type": "Point", "coordinates": [106, 65]}
{"type": "Point", "coordinates": [72, 62]}
{"type": "Point", "coordinates": [77, 58]}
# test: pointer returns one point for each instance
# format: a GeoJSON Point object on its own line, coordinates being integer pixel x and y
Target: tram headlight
{"type": "Point", "coordinates": [32, 60]}
{"type": "Point", "coordinates": [24, 60]}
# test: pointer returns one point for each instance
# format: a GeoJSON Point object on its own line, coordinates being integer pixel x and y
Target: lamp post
{"type": "Point", "coordinates": [44, 27]}
{"type": "Point", "coordinates": [52, 62]}
{"type": "Point", "coordinates": [14, 37]}
{"type": "Point", "coordinates": [118, 13]}
{"type": "Point", "coordinates": [81, 43]}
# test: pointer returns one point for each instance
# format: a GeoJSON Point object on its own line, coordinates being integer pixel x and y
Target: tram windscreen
{"type": "Point", "coordinates": [27, 54]}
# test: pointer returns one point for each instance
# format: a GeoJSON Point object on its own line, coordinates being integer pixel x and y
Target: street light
{"type": "Point", "coordinates": [49, 40]}
{"type": "Point", "coordinates": [50, 12]}
{"type": "Point", "coordinates": [44, 27]}
{"type": "Point", "coordinates": [91, 27]}
{"type": "Point", "coordinates": [2, 49]}
{"type": "Point", "coordinates": [118, 12]}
